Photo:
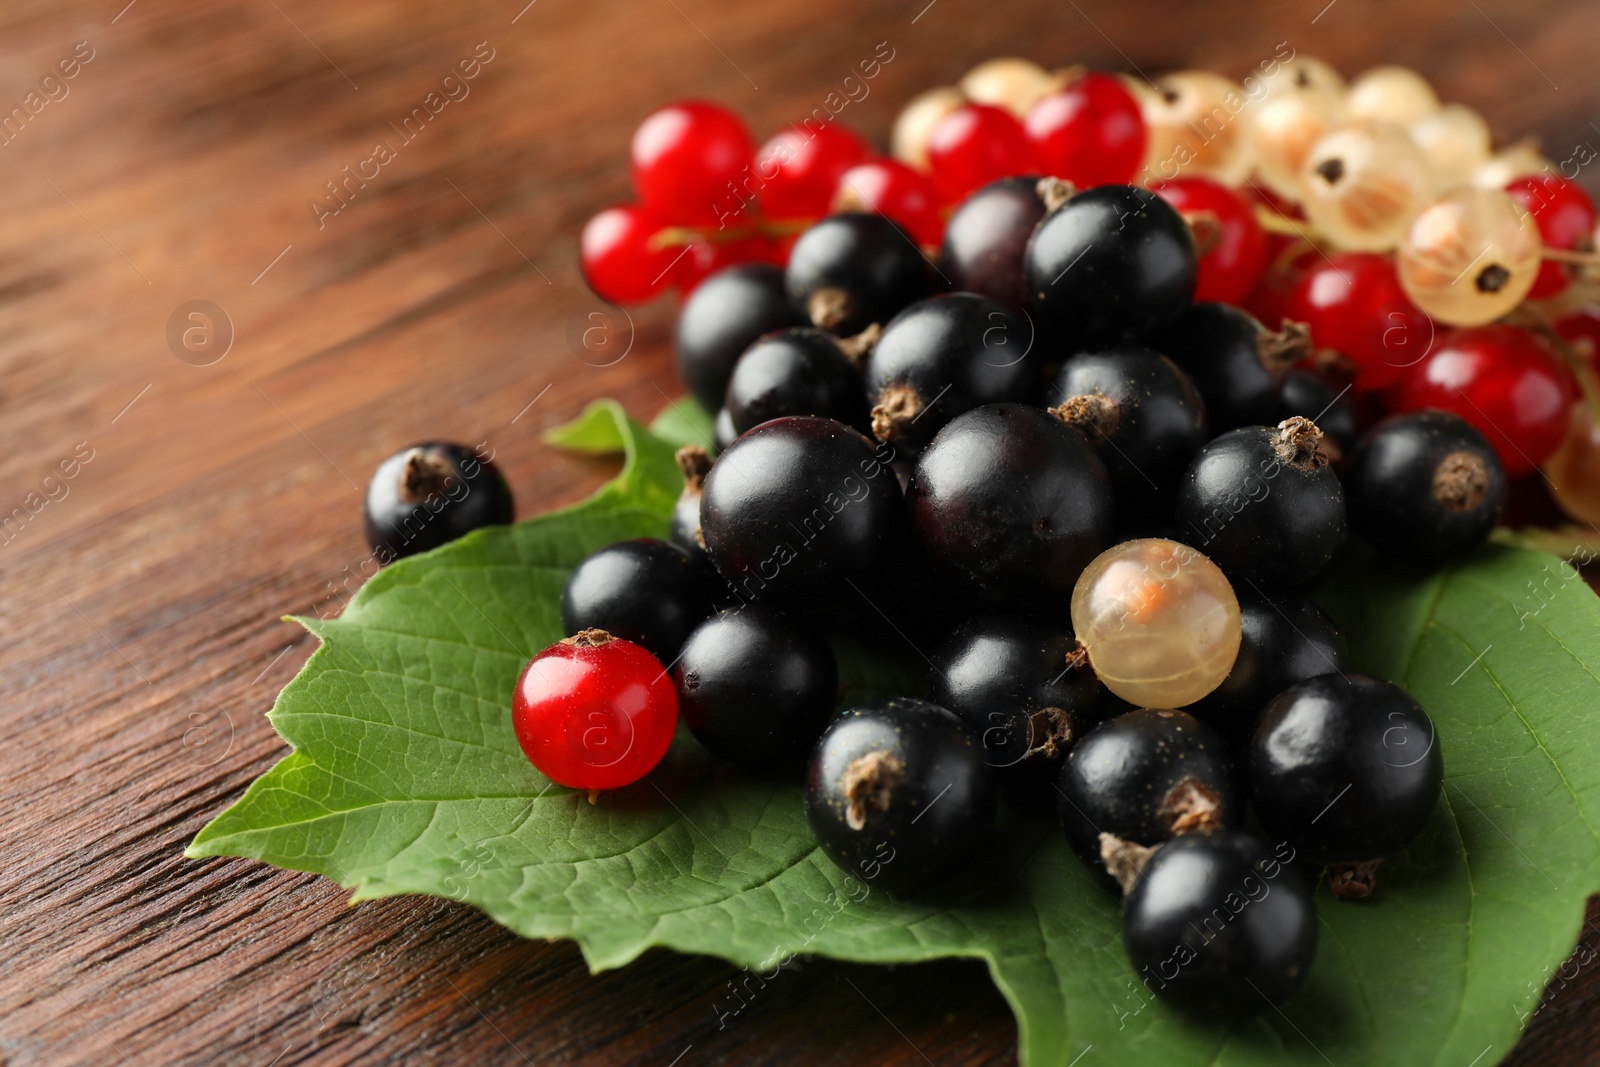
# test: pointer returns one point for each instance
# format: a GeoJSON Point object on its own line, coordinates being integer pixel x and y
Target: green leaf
{"type": "Point", "coordinates": [683, 422]}
{"type": "Point", "coordinates": [406, 778]}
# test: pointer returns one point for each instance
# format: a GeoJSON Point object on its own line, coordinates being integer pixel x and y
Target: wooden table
{"type": "Point", "coordinates": [180, 163]}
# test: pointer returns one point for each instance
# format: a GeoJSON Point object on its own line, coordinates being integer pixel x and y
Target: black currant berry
{"type": "Point", "coordinates": [1008, 678]}
{"type": "Point", "coordinates": [799, 509]}
{"type": "Point", "coordinates": [898, 794]}
{"type": "Point", "coordinates": [1286, 639]}
{"type": "Point", "coordinates": [722, 432]}
{"type": "Point", "coordinates": [1145, 776]}
{"type": "Point", "coordinates": [1142, 415]}
{"type": "Point", "coordinates": [1237, 364]}
{"type": "Point", "coordinates": [987, 237]}
{"type": "Point", "coordinates": [724, 316]}
{"type": "Point", "coordinates": [1112, 265]}
{"type": "Point", "coordinates": [429, 494]}
{"type": "Point", "coordinates": [1347, 769]}
{"type": "Point", "coordinates": [756, 687]}
{"type": "Point", "coordinates": [1332, 409]}
{"type": "Point", "coordinates": [852, 270]}
{"type": "Point", "coordinates": [1264, 505]}
{"type": "Point", "coordinates": [796, 372]}
{"type": "Point", "coordinates": [944, 356]}
{"type": "Point", "coordinates": [1425, 486]}
{"type": "Point", "coordinates": [1010, 504]}
{"type": "Point", "coordinates": [1220, 924]}
{"type": "Point", "coordinates": [645, 591]}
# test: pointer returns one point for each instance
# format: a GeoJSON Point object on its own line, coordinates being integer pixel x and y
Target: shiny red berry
{"type": "Point", "coordinates": [887, 186]}
{"type": "Point", "coordinates": [1504, 381]}
{"type": "Point", "coordinates": [974, 145]}
{"type": "Point", "coordinates": [1089, 133]}
{"type": "Point", "coordinates": [1354, 304]}
{"type": "Point", "coordinates": [1566, 218]}
{"type": "Point", "coordinates": [1231, 243]}
{"type": "Point", "coordinates": [619, 257]}
{"type": "Point", "coordinates": [798, 169]}
{"type": "Point", "coordinates": [1581, 329]}
{"type": "Point", "coordinates": [691, 163]}
{"type": "Point", "coordinates": [594, 711]}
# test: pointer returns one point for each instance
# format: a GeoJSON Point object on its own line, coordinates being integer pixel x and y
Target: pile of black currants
{"type": "Point", "coordinates": [1090, 506]}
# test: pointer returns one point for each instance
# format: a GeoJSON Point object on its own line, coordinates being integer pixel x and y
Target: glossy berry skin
{"type": "Point", "coordinates": [1010, 504]}
{"type": "Point", "coordinates": [798, 509]}
{"type": "Point", "coordinates": [722, 432]}
{"type": "Point", "coordinates": [1263, 503]}
{"type": "Point", "coordinates": [722, 318]}
{"type": "Point", "coordinates": [1235, 362]}
{"type": "Point", "coordinates": [987, 236]}
{"type": "Point", "coordinates": [944, 356]}
{"type": "Point", "coordinates": [798, 169]}
{"type": "Point", "coordinates": [898, 795]}
{"type": "Point", "coordinates": [594, 712]}
{"type": "Point", "coordinates": [974, 145]}
{"type": "Point", "coordinates": [888, 187]}
{"type": "Point", "coordinates": [1143, 416]}
{"type": "Point", "coordinates": [1425, 486]}
{"type": "Point", "coordinates": [645, 591]}
{"type": "Point", "coordinates": [1504, 381]}
{"type": "Point", "coordinates": [1334, 731]}
{"type": "Point", "coordinates": [756, 687]}
{"type": "Point", "coordinates": [852, 270]}
{"type": "Point", "coordinates": [1286, 639]}
{"type": "Point", "coordinates": [1333, 410]}
{"type": "Point", "coordinates": [1354, 304]}
{"type": "Point", "coordinates": [429, 494]}
{"type": "Point", "coordinates": [1005, 675]}
{"type": "Point", "coordinates": [795, 372]}
{"type": "Point", "coordinates": [1146, 776]}
{"type": "Point", "coordinates": [1230, 242]}
{"type": "Point", "coordinates": [1112, 265]}
{"type": "Point", "coordinates": [1221, 924]}
{"type": "Point", "coordinates": [684, 156]}
{"type": "Point", "coordinates": [1566, 219]}
{"type": "Point", "coordinates": [618, 258]}
{"type": "Point", "coordinates": [1089, 133]}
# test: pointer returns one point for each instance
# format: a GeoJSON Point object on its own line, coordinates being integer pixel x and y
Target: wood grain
{"type": "Point", "coordinates": [143, 645]}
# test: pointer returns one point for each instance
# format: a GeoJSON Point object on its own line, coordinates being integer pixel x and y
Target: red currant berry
{"type": "Point", "coordinates": [1581, 330]}
{"type": "Point", "coordinates": [1287, 260]}
{"type": "Point", "coordinates": [1231, 243]}
{"type": "Point", "coordinates": [690, 162]}
{"type": "Point", "coordinates": [1354, 304]}
{"type": "Point", "coordinates": [1565, 216]}
{"type": "Point", "coordinates": [798, 169]}
{"type": "Point", "coordinates": [594, 711]}
{"type": "Point", "coordinates": [974, 145]}
{"type": "Point", "coordinates": [1089, 133]}
{"type": "Point", "coordinates": [619, 258]}
{"type": "Point", "coordinates": [889, 187]}
{"type": "Point", "coordinates": [1504, 381]}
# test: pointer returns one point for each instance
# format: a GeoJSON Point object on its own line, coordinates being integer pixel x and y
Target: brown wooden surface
{"type": "Point", "coordinates": [142, 644]}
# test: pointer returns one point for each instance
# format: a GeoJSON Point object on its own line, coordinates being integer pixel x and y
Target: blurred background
{"type": "Point", "coordinates": [185, 166]}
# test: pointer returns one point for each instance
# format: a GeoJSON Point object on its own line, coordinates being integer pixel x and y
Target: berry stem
{"type": "Point", "coordinates": [1124, 860]}
{"type": "Point", "coordinates": [676, 236]}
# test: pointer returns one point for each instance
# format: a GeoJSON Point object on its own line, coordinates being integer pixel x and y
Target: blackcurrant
{"type": "Point", "coordinates": [724, 316]}
{"type": "Point", "coordinates": [795, 372]}
{"type": "Point", "coordinates": [1111, 265]}
{"type": "Point", "coordinates": [1425, 486]}
{"type": "Point", "coordinates": [1333, 410]}
{"type": "Point", "coordinates": [944, 356]}
{"type": "Point", "coordinates": [1220, 924]}
{"type": "Point", "coordinates": [1236, 363]}
{"type": "Point", "coordinates": [756, 687]}
{"type": "Point", "coordinates": [685, 529]}
{"type": "Point", "coordinates": [1264, 505]}
{"type": "Point", "coordinates": [898, 794]}
{"type": "Point", "coordinates": [852, 270]}
{"type": "Point", "coordinates": [426, 495]}
{"type": "Point", "coordinates": [986, 237]}
{"type": "Point", "coordinates": [1286, 639]}
{"type": "Point", "coordinates": [645, 591]}
{"type": "Point", "coordinates": [1009, 679]}
{"type": "Point", "coordinates": [799, 509]}
{"type": "Point", "coordinates": [1010, 504]}
{"type": "Point", "coordinates": [1347, 769]}
{"type": "Point", "coordinates": [1145, 776]}
{"type": "Point", "coordinates": [722, 432]}
{"type": "Point", "coordinates": [1142, 415]}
